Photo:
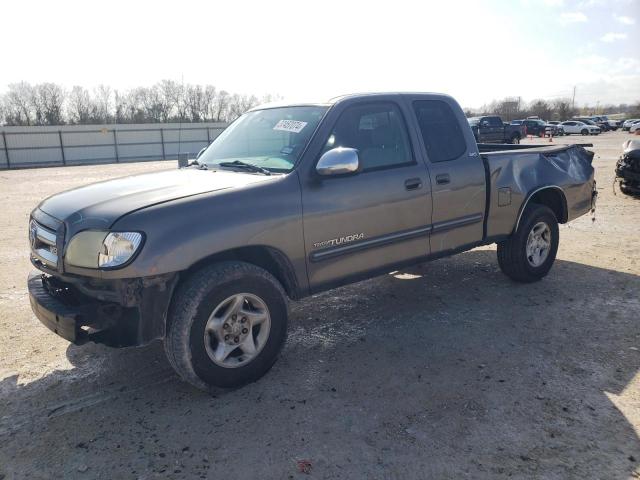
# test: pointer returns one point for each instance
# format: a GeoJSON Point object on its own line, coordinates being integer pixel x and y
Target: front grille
{"type": "Point", "coordinates": [43, 244]}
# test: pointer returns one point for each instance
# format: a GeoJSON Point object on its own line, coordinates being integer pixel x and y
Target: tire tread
{"type": "Point", "coordinates": [184, 306]}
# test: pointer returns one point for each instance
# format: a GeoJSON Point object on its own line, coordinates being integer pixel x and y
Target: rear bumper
{"type": "Point", "coordinates": [79, 318]}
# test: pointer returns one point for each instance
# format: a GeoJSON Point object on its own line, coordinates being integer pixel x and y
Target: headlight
{"type": "Point", "coordinates": [95, 249]}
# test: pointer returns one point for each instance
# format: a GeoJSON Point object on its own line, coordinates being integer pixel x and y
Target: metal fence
{"type": "Point", "coordinates": [22, 147]}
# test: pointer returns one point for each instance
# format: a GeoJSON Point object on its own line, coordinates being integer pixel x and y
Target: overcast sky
{"type": "Point", "coordinates": [476, 50]}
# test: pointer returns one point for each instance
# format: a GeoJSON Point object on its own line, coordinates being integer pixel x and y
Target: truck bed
{"type": "Point", "coordinates": [504, 147]}
{"type": "Point", "coordinates": [514, 171]}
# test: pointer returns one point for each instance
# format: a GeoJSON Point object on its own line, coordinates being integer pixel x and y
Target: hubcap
{"type": "Point", "coordinates": [538, 244]}
{"type": "Point", "coordinates": [237, 330]}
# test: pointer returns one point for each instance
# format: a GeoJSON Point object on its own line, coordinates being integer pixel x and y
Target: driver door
{"type": "Point", "coordinates": [359, 224]}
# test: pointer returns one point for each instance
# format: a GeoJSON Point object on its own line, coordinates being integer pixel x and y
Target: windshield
{"type": "Point", "coordinates": [272, 139]}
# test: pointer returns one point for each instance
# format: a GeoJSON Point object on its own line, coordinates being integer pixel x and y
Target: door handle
{"type": "Point", "coordinates": [443, 179]}
{"type": "Point", "coordinates": [413, 184]}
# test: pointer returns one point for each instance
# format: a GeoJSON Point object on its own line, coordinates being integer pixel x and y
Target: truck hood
{"type": "Point", "coordinates": [99, 205]}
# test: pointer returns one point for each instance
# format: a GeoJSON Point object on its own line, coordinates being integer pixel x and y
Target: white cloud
{"type": "Point", "coordinates": [554, 3]}
{"type": "Point", "coordinates": [624, 19]}
{"type": "Point", "coordinates": [612, 37]}
{"type": "Point", "coordinates": [627, 66]}
{"type": "Point", "coordinates": [573, 17]}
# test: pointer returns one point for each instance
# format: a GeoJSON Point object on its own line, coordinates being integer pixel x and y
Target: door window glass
{"type": "Point", "coordinates": [377, 131]}
{"type": "Point", "coordinates": [440, 129]}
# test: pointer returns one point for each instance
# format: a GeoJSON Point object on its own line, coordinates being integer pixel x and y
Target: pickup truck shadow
{"type": "Point", "coordinates": [447, 369]}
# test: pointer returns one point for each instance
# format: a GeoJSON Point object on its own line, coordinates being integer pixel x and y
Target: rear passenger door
{"type": "Point", "coordinates": [497, 129]}
{"type": "Point", "coordinates": [458, 184]}
{"type": "Point", "coordinates": [487, 133]}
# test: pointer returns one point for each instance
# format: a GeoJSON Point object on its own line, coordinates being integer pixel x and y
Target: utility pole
{"type": "Point", "coordinates": [573, 99]}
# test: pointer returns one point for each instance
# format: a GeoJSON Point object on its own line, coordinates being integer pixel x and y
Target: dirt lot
{"type": "Point", "coordinates": [447, 370]}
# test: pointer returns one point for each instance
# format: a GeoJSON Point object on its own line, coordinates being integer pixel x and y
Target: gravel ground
{"type": "Point", "coordinates": [446, 370]}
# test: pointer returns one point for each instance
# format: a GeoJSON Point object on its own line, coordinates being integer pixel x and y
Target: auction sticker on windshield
{"type": "Point", "coordinates": [294, 126]}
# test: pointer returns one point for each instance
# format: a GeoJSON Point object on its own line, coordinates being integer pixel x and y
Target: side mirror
{"type": "Point", "coordinates": [200, 153]}
{"type": "Point", "coordinates": [338, 161]}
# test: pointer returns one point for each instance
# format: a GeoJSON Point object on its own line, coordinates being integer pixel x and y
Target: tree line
{"type": "Point", "coordinates": [166, 101]}
{"type": "Point", "coordinates": [170, 101]}
{"type": "Point", "coordinates": [513, 108]}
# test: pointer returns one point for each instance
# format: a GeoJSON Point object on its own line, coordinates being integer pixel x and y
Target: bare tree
{"type": "Point", "coordinates": [508, 108]}
{"type": "Point", "coordinates": [133, 106]}
{"type": "Point", "coordinates": [47, 101]}
{"type": "Point", "coordinates": [18, 104]}
{"type": "Point", "coordinates": [194, 97]}
{"type": "Point", "coordinates": [171, 99]}
{"type": "Point", "coordinates": [222, 103]}
{"type": "Point", "coordinates": [50, 104]}
{"type": "Point", "coordinates": [118, 107]}
{"type": "Point", "coordinates": [540, 108]}
{"type": "Point", "coordinates": [79, 105]}
{"type": "Point", "coordinates": [563, 109]}
{"type": "Point", "coordinates": [238, 104]}
{"type": "Point", "coordinates": [102, 102]}
{"type": "Point", "coordinates": [209, 101]}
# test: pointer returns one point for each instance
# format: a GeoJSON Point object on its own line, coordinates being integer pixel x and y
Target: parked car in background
{"type": "Point", "coordinates": [604, 125]}
{"type": "Point", "coordinates": [578, 127]}
{"type": "Point", "coordinates": [588, 121]}
{"type": "Point", "coordinates": [491, 129]}
{"type": "Point", "coordinates": [634, 127]}
{"type": "Point", "coordinates": [559, 128]}
{"type": "Point", "coordinates": [535, 127]}
{"type": "Point", "coordinates": [626, 125]}
{"type": "Point", "coordinates": [610, 124]}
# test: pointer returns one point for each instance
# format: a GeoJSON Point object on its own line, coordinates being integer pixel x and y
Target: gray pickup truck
{"type": "Point", "coordinates": [288, 201]}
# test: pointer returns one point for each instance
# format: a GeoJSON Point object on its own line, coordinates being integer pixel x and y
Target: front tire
{"type": "Point", "coordinates": [585, 131]}
{"type": "Point", "coordinates": [226, 326]}
{"type": "Point", "coordinates": [527, 256]}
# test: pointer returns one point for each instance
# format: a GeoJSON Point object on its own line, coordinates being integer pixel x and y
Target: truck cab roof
{"type": "Point", "coordinates": [353, 96]}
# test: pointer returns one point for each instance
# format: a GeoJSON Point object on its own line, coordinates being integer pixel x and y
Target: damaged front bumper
{"type": "Point", "coordinates": [118, 313]}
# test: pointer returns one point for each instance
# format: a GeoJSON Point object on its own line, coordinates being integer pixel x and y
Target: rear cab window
{"type": "Point", "coordinates": [440, 130]}
{"type": "Point", "coordinates": [494, 121]}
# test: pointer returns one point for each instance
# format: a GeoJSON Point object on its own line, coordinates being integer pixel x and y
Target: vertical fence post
{"type": "Point", "coordinates": [208, 136]}
{"type": "Point", "coordinates": [115, 145]}
{"type": "Point", "coordinates": [64, 160]}
{"type": "Point", "coordinates": [6, 149]}
{"type": "Point", "coordinates": [164, 156]}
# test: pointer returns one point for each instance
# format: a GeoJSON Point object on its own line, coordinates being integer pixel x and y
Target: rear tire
{"type": "Point", "coordinates": [208, 348]}
{"type": "Point", "coordinates": [515, 140]}
{"type": "Point", "coordinates": [527, 256]}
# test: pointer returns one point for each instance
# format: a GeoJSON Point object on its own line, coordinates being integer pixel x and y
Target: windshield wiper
{"type": "Point", "coordinates": [247, 166]}
{"type": "Point", "coordinates": [201, 166]}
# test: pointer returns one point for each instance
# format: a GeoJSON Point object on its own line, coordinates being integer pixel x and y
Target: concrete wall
{"type": "Point", "coordinates": [22, 147]}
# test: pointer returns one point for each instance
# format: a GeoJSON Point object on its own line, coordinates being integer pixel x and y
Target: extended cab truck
{"type": "Point", "coordinates": [288, 201]}
{"type": "Point", "coordinates": [491, 129]}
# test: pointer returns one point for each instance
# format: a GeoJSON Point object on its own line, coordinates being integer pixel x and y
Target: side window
{"type": "Point", "coordinates": [377, 131]}
{"type": "Point", "coordinates": [441, 132]}
{"type": "Point", "coordinates": [495, 121]}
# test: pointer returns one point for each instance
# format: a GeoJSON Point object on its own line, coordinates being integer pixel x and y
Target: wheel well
{"type": "Point", "coordinates": [272, 260]}
{"type": "Point", "coordinates": [553, 198]}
